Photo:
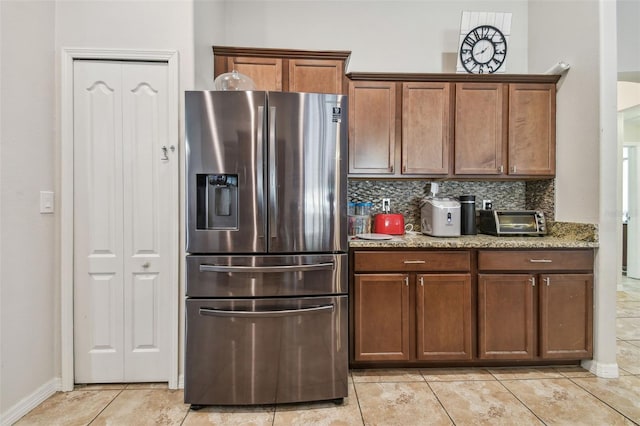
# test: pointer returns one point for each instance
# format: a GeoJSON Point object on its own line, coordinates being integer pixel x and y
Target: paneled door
{"type": "Point", "coordinates": [125, 215]}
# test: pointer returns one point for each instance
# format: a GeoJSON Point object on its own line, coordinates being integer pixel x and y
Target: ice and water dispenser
{"type": "Point", "coordinates": [217, 201]}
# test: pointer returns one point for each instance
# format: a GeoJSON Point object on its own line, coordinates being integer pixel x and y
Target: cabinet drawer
{"type": "Point", "coordinates": [535, 260]}
{"type": "Point", "coordinates": [407, 261]}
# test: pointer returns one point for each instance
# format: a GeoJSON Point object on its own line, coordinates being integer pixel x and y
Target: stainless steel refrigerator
{"type": "Point", "coordinates": [266, 279]}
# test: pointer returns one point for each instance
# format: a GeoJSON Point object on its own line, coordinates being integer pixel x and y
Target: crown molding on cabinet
{"type": "Point", "coordinates": [455, 78]}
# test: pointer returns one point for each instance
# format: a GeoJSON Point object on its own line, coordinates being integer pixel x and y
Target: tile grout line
{"type": "Point", "coordinates": [355, 391]}
{"type": "Point", "coordinates": [105, 407]}
{"type": "Point", "coordinates": [437, 398]}
{"type": "Point", "coordinates": [599, 399]}
{"type": "Point", "coordinates": [520, 401]}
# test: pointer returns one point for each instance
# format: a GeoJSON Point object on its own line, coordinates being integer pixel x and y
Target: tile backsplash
{"type": "Point", "coordinates": [407, 195]}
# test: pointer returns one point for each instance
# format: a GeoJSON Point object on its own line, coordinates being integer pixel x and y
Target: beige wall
{"type": "Point", "coordinates": [28, 285]}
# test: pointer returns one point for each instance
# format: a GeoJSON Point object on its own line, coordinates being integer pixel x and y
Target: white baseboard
{"type": "Point", "coordinates": [30, 402]}
{"type": "Point", "coordinates": [606, 371]}
{"type": "Point", "coordinates": [181, 381]}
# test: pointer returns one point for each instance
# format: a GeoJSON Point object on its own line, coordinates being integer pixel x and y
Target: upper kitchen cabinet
{"type": "Point", "coordinates": [372, 127]}
{"type": "Point", "coordinates": [286, 70]}
{"type": "Point", "coordinates": [532, 129]}
{"type": "Point", "coordinates": [399, 128]}
{"type": "Point", "coordinates": [506, 130]}
{"type": "Point", "coordinates": [452, 125]}
{"type": "Point", "coordinates": [426, 127]}
{"type": "Point", "coordinates": [480, 129]}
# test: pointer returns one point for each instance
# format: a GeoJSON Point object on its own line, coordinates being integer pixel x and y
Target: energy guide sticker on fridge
{"type": "Point", "coordinates": [336, 115]}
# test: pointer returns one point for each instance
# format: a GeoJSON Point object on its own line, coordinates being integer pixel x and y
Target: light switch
{"type": "Point", "coordinates": [46, 201]}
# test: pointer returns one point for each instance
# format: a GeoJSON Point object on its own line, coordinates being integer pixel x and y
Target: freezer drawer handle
{"type": "Point", "coordinates": [266, 314]}
{"type": "Point", "coordinates": [251, 269]}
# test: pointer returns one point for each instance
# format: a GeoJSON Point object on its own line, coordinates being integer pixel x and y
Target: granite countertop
{"type": "Point", "coordinates": [472, 241]}
{"type": "Point", "coordinates": [561, 235]}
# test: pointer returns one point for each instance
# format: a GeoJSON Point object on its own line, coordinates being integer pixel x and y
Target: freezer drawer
{"type": "Point", "coordinates": [264, 351]}
{"type": "Point", "coordinates": [266, 275]}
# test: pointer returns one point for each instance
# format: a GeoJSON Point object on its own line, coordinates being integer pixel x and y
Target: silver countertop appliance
{"type": "Point", "coordinates": [512, 222]}
{"type": "Point", "coordinates": [266, 278]}
{"type": "Point", "coordinates": [440, 217]}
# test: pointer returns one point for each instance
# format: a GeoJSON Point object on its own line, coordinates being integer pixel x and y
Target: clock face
{"type": "Point", "coordinates": [483, 50]}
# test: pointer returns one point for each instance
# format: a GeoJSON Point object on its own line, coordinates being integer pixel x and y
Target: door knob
{"type": "Point", "coordinates": [145, 265]}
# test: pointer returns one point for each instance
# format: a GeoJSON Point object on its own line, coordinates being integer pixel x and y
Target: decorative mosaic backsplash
{"type": "Point", "coordinates": [407, 195]}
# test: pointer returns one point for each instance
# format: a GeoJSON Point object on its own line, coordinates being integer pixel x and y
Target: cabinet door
{"type": "Point", "coordinates": [443, 317]}
{"type": "Point", "coordinates": [381, 317]}
{"type": "Point", "coordinates": [532, 129]}
{"type": "Point", "coordinates": [315, 76]}
{"type": "Point", "coordinates": [505, 316]}
{"type": "Point", "coordinates": [479, 129]}
{"type": "Point", "coordinates": [266, 73]}
{"type": "Point", "coordinates": [566, 316]}
{"type": "Point", "coordinates": [372, 127]}
{"type": "Point", "coordinates": [426, 120]}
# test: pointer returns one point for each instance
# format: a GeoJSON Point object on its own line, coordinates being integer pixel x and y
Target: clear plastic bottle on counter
{"type": "Point", "coordinates": [364, 208]}
{"type": "Point", "coordinates": [358, 224]}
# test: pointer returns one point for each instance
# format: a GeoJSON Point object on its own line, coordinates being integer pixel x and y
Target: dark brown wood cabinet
{"type": "Point", "coordinates": [411, 306]}
{"type": "Point", "coordinates": [426, 128]}
{"type": "Point", "coordinates": [372, 127]}
{"type": "Point", "coordinates": [505, 316]}
{"type": "Point", "coordinates": [399, 129]}
{"type": "Point", "coordinates": [535, 304]}
{"type": "Point", "coordinates": [480, 129]}
{"type": "Point", "coordinates": [452, 125]}
{"type": "Point", "coordinates": [286, 70]}
{"type": "Point", "coordinates": [566, 316]}
{"type": "Point", "coordinates": [532, 129]}
{"type": "Point", "coordinates": [443, 317]}
{"type": "Point", "coordinates": [381, 311]}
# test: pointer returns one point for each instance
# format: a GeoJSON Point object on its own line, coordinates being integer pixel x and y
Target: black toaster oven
{"type": "Point", "coordinates": [512, 222]}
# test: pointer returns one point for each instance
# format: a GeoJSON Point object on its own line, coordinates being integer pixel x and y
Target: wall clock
{"type": "Point", "coordinates": [483, 50]}
{"type": "Point", "coordinates": [482, 46]}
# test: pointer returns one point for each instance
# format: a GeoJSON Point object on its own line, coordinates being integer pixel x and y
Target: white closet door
{"type": "Point", "coordinates": [124, 189]}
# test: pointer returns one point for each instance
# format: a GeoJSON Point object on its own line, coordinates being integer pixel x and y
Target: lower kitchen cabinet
{"type": "Point", "coordinates": [411, 306]}
{"type": "Point", "coordinates": [443, 317]}
{"type": "Point", "coordinates": [505, 316]}
{"type": "Point", "coordinates": [381, 317]}
{"type": "Point", "coordinates": [566, 316]}
{"type": "Point", "coordinates": [543, 309]}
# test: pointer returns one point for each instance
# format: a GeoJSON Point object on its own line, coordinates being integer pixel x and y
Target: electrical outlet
{"type": "Point", "coordinates": [386, 204]}
{"type": "Point", "coordinates": [487, 204]}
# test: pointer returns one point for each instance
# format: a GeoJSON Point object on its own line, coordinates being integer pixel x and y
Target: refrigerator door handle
{"type": "Point", "coordinates": [273, 192]}
{"type": "Point", "coordinates": [252, 269]}
{"type": "Point", "coordinates": [266, 314]}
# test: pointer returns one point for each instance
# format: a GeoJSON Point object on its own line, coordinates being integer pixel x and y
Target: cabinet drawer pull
{"type": "Point", "coordinates": [411, 262]}
{"type": "Point", "coordinates": [540, 260]}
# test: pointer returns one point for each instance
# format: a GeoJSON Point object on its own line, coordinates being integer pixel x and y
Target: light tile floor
{"type": "Point", "coordinates": [463, 396]}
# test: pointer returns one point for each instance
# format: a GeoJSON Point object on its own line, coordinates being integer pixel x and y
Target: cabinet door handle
{"type": "Point", "coordinates": [532, 280]}
{"type": "Point", "coordinates": [414, 262]}
{"type": "Point", "coordinates": [422, 281]}
{"type": "Point", "coordinates": [406, 281]}
{"type": "Point", "coordinates": [514, 169]}
{"type": "Point", "coordinates": [501, 169]}
{"type": "Point", "coordinates": [540, 260]}
{"type": "Point", "coordinates": [546, 280]}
